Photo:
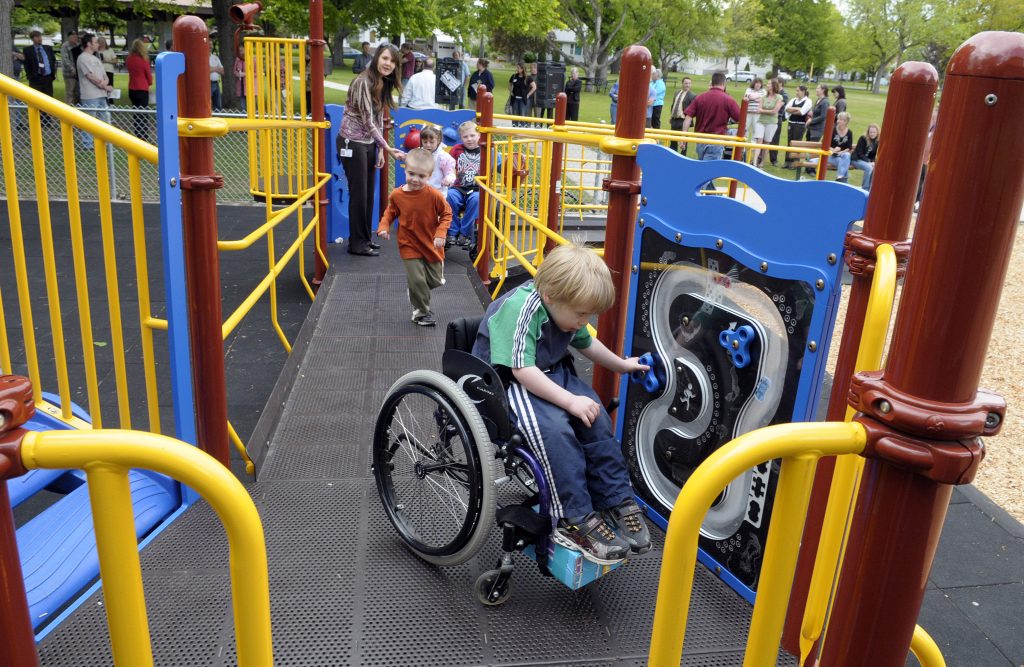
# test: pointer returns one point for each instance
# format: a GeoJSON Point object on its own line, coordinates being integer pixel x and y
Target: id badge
{"type": "Point", "coordinates": [345, 152]}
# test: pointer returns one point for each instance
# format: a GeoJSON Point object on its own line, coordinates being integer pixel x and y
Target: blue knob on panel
{"type": "Point", "coordinates": [652, 379]}
{"type": "Point", "coordinates": [737, 343]}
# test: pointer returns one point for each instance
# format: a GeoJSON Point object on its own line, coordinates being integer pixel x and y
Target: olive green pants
{"type": "Point", "coordinates": [422, 276]}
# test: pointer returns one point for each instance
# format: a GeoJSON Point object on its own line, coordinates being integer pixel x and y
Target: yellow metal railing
{"type": "Point", "coordinates": [283, 174]}
{"type": "Point", "coordinates": [516, 210]}
{"type": "Point", "coordinates": [107, 457]}
{"type": "Point", "coordinates": [45, 114]}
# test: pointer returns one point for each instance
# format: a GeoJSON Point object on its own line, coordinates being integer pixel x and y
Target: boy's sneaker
{"type": "Point", "coordinates": [426, 320]}
{"type": "Point", "coordinates": [462, 241]}
{"type": "Point", "coordinates": [449, 241]}
{"type": "Point", "coordinates": [628, 521]}
{"type": "Point", "coordinates": [416, 314]}
{"type": "Point", "coordinates": [593, 538]}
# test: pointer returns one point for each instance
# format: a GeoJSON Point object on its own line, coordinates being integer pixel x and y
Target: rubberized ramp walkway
{"type": "Point", "coordinates": [346, 591]}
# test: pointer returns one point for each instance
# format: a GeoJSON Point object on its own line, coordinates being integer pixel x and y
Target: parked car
{"type": "Point", "coordinates": [782, 76]}
{"type": "Point", "coordinates": [740, 76]}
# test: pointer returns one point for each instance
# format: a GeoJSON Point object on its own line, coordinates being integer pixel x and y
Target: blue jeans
{"type": "Point", "coordinates": [869, 171]}
{"type": "Point", "coordinates": [215, 99]}
{"type": "Point", "coordinates": [709, 152]}
{"type": "Point", "coordinates": [97, 103]}
{"type": "Point", "coordinates": [466, 225]}
{"type": "Point", "coordinates": [842, 164]}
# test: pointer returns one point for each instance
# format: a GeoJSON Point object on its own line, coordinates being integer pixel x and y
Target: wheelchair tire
{"type": "Point", "coordinates": [437, 483]}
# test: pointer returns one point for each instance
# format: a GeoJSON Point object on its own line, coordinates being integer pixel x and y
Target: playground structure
{"type": "Point", "coordinates": [521, 215]}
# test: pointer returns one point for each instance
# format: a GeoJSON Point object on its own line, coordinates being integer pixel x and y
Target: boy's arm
{"type": "Point", "coordinates": [444, 218]}
{"type": "Point", "coordinates": [390, 213]}
{"type": "Point", "coordinates": [602, 356]}
{"type": "Point", "coordinates": [540, 385]}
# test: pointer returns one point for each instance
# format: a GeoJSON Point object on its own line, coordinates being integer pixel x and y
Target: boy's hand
{"type": "Point", "coordinates": [438, 243]}
{"type": "Point", "coordinates": [632, 364]}
{"type": "Point", "coordinates": [584, 409]}
{"type": "Point", "coordinates": [384, 233]}
{"type": "Point", "coordinates": [448, 180]}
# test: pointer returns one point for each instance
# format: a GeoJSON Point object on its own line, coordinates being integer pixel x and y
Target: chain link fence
{"type": "Point", "coordinates": [231, 158]}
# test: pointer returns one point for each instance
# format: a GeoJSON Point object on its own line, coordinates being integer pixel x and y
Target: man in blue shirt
{"type": "Point", "coordinates": [40, 64]}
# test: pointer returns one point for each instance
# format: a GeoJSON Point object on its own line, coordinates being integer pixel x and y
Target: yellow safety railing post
{"type": "Point", "coordinates": [789, 441]}
{"type": "Point", "coordinates": [107, 456]}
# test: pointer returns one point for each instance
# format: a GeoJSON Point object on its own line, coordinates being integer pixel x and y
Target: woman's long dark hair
{"type": "Point", "coordinates": [840, 92]}
{"type": "Point", "coordinates": [382, 87]}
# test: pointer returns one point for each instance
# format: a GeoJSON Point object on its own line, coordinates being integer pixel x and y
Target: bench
{"type": "Point", "coordinates": [802, 161]}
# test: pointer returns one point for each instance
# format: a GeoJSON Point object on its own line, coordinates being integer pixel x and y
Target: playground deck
{"type": "Point", "coordinates": [345, 590]}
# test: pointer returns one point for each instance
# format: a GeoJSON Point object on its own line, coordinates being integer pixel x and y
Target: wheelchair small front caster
{"type": "Point", "coordinates": [492, 589]}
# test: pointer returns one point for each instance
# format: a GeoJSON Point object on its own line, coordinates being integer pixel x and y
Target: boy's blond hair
{"type": "Point", "coordinates": [575, 276]}
{"type": "Point", "coordinates": [466, 126]}
{"type": "Point", "coordinates": [420, 157]}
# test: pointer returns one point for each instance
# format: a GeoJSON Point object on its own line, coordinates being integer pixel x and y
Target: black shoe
{"type": "Point", "coordinates": [628, 521]}
{"type": "Point", "coordinates": [426, 320]}
{"type": "Point", "coordinates": [366, 252]}
{"type": "Point", "coordinates": [374, 245]}
{"type": "Point", "coordinates": [449, 241]}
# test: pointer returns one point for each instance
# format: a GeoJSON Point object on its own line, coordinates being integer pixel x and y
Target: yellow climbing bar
{"type": "Point", "coordinates": [800, 445]}
{"type": "Point", "coordinates": [107, 456]}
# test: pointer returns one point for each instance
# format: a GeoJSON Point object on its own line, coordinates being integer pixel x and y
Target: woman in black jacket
{"type": "Point", "coordinates": [863, 157]}
{"type": "Point", "coordinates": [572, 92]}
{"type": "Point", "coordinates": [482, 75]}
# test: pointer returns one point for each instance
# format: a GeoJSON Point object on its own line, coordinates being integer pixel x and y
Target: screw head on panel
{"type": "Point", "coordinates": [819, 283]}
{"type": "Point", "coordinates": [764, 266]}
{"type": "Point", "coordinates": [812, 346]}
{"type": "Point", "coordinates": [831, 258]}
{"type": "Point", "coordinates": [679, 237]}
{"type": "Point", "coordinates": [719, 244]}
{"type": "Point", "coordinates": [991, 99]}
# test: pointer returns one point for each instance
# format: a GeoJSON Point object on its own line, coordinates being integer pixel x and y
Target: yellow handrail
{"type": "Point", "coordinates": [925, 649]}
{"type": "Point", "coordinates": [800, 445]}
{"type": "Point", "coordinates": [107, 456]}
{"type": "Point", "coordinates": [843, 490]}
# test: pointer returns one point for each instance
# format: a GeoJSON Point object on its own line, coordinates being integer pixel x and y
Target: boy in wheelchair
{"type": "Point", "coordinates": [526, 333]}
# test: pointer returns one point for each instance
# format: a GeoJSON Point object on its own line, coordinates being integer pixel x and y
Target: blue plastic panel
{"type": "Point", "coordinates": [705, 269]}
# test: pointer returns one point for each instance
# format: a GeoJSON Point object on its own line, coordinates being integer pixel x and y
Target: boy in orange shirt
{"type": "Point", "coordinates": [425, 219]}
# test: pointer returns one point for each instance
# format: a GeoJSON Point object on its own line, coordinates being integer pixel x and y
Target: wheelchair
{"type": "Point", "coordinates": [448, 464]}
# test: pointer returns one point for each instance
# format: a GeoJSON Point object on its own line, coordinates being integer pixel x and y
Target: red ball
{"type": "Point", "coordinates": [412, 139]}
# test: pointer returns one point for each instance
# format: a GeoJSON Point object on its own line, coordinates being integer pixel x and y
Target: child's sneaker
{"type": "Point", "coordinates": [593, 538]}
{"type": "Point", "coordinates": [449, 241]}
{"type": "Point", "coordinates": [464, 242]}
{"type": "Point", "coordinates": [628, 521]}
{"type": "Point", "coordinates": [426, 320]}
{"type": "Point", "coordinates": [416, 314]}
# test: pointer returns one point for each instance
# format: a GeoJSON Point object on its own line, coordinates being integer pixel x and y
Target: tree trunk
{"type": "Point", "coordinates": [226, 46]}
{"type": "Point", "coordinates": [876, 85]}
{"type": "Point", "coordinates": [133, 30]}
{"type": "Point", "coordinates": [68, 25]}
{"type": "Point", "coordinates": [338, 48]}
{"type": "Point", "coordinates": [6, 37]}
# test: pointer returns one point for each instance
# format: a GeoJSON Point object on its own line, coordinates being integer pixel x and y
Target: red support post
{"type": "Point", "coordinates": [887, 220]}
{"type": "Point", "coordinates": [623, 187]}
{"type": "Point", "coordinates": [385, 174]}
{"type": "Point", "coordinates": [925, 415]}
{"type": "Point", "coordinates": [316, 99]}
{"type": "Point", "coordinates": [17, 643]}
{"type": "Point", "coordinates": [199, 186]}
{"type": "Point", "coordinates": [485, 109]}
{"type": "Point", "coordinates": [554, 183]}
{"type": "Point", "coordinates": [741, 134]}
{"type": "Point", "coordinates": [826, 141]}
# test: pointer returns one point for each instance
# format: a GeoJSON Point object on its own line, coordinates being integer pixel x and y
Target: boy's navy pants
{"type": "Point", "coordinates": [584, 465]}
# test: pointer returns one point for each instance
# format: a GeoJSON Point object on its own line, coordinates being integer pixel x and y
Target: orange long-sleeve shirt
{"type": "Point", "coordinates": [425, 216]}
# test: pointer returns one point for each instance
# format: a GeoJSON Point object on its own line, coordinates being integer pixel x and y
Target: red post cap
{"type": "Point", "coordinates": [993, 54]}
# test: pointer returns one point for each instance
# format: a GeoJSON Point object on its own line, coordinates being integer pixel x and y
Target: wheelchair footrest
{"type": "Point", "coordinates": [525, 518]}
{"type": "Point", "coordinates": [570, 567]}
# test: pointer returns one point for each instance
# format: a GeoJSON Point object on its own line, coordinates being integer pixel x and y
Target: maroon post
{"type": "Point", "coordinates": [826, 141]}
{"type": "Point", "coordinates": [741, 134]}
{"type": "Point", "coordinates": [385, 174]}
{"type": "Point", "coordinates": [316, 99]}
{"type": "Point", "coordinates": [623, 187]}
{"type": "Point", "coordinates": [199, 186]}
{"type": "Point", "coordinates": [554, 185]}
{"type": "Point", "coordinates": [925, 414]}
{"type": "Point", "coordinates": [887, 220]}
{"type": "Point", "coordinates": [484, 107]}
{"type": "Point", "coordinates": [17, 643]}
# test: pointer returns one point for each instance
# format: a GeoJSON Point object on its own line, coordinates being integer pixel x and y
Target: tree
{"type": "Point", "coordinates": [517, 27]}
{"type": "Point", "coordinates": [804, 39]}
{"type": "Point", "coordinates": [6, 37]}
{"type": "Point", "coordinates": [745, 34]}
{"type": "Point", "coordinates": [685, 28]}
{"type": "Point", "coordinates": [887, 30]}
{"type": "Point", "coordinates": [605, 27]}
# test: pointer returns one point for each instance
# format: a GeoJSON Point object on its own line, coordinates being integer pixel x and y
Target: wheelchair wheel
{"type": "Point", "coordinates": [435, 468]}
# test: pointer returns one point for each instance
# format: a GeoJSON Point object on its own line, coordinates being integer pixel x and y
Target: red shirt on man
{"type": "Point", "coordinates": [714, 109]}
